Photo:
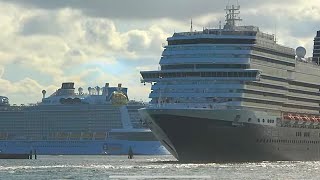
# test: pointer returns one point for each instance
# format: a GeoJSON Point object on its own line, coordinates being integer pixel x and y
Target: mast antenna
{"type": "Point", "coordinates": [232, 15]}
{"type": "Point", "coordinates": [275, 33]}
{"type": "Point", "coordinates": [191, 28]}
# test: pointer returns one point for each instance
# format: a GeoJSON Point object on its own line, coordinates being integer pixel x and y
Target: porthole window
{"type": "Point", "coordinates": [262, 120]}
{"type": "Point", "coordinates": [249, 119]}
{"type": "Point", "coordinates": [259, 121]}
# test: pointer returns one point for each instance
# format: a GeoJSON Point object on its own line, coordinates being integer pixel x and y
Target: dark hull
{"type": "Point", "coordinates": [210, 140]}
{"type": "Point", "coordinates": [15, 156]}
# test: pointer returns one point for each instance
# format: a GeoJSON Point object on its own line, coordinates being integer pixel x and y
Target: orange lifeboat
{"type": "Point", "coordinates": [314, 119]}
{"type": "Point", "coordinates": [306, 118]}
{"type": "Point", "coordinates": [299, 117]}
{"type": "Point", "coordinates": [286, 116]}
{"type": "Point", "coordinates": [291, 117]}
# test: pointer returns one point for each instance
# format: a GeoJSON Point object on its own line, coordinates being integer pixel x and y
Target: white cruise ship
{"type": "Point", "coordinates": [101, 121]}
{"type": "Point", "coordinates": [235, 94]}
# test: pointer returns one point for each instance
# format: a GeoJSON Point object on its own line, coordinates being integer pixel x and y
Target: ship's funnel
{"type": "Point", "coordinates": [119, 85]}
{"type": "Point", "coordinates": [316, 49]}
{"type": "Point", "coordinates": [67, 85]}
{"type": "Point", "coordinates": [105, 90]}
{"type": "Point", "coordinates": [44, 93]}
{"type": "Point", "coordinates": [98, 90]}
{"type": "Point", "coordinates": [80, 90]}
{"type": "Point", "coordinates": [89, 90]}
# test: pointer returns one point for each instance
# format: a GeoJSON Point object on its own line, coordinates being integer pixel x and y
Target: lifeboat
{"type": "Point", "coordinates": [86, 135]}
{"type": "Point", "coordinates": [291, 117]}
{"type": "Point", "coordinates": [285, 116]}
{"type": "Point", "coordinates": [298, 117]}
{"type": "Point", "coordinates": [62, 135]}
{"type": "Point", "coordinates": [100, 135]}
{"type": "Point", "coordinates": [305, 118]}
{"type": "Point", "coordinates": [3, 136]}
{"type": "Point", "coordinates": [315, 120]}
{"type": "Point", "coordinates": [75, 135]}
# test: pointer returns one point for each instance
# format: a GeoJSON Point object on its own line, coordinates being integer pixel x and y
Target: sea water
{"type": "Point", "coordinates": [149, 167]}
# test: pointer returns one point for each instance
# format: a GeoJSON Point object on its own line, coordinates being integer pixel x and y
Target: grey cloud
{"type": "Point", "coordinates": [304, 29]}
{"type": "Point", "coordinates": [97, 31]}
{"type": "Point", "coordinates": [40, 25]}
{"type": "Point", "coordinates": [144, 9]}
{"type": "Point", "coordinates": [298, 24]}
{"type": "Point", "coordinates": [136, 42]}
{"type": "Point", "coordinates": [74, 52]}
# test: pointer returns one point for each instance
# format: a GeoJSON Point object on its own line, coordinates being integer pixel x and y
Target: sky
{"type": "Point", "coordinates": [44, 42]}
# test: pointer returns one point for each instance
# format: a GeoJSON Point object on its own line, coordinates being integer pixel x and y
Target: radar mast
{"type": "Point", "coordinates": [232, 13]}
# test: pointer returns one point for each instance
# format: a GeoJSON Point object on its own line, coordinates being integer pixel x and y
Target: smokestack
{"type": "Point", "coordinates": [105, 89]}
{"type": "Point", "coordinates": [316, 49]}
{"type": "Point", "coordinates": [44, 93]}
{"type": "Point", "coordinates": [98, 90]}
{"type": "Point", "coordinates": [80, 90]}
{"type": "Point", "coordinates": [119, 85]}
{"type": "Point", "coordinates": [89, 90]}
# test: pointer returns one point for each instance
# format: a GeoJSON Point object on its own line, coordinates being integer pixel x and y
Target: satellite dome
{"type": "Point", "coordinates": [300, 52]}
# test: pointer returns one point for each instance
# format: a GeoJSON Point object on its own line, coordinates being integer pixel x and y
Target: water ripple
{"type": "Point", "coordinates": [103, 167]}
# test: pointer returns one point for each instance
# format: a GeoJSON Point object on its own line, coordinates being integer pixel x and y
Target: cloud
{"type": "Point", "coordinates": [40, 24]}
{"type": "Point", "coordinates": [44, 43]}
{"type": "Point", "coordinates": [145, 9]}
{"type": "Point", "coordinates": [47, 47]}
{"type": "Point", "coordinates": [1, 71]}
{"type": "Point", "coordinates": [17, 91]}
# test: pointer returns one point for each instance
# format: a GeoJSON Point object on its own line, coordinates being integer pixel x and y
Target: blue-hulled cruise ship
{"type": "Point", "coordinates": [101, 121]}
{"type": "Point", "coordinates": [235, 94]}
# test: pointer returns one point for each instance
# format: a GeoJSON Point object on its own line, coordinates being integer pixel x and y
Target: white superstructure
{"type": "Point", "coordinates": [68, 119]}
{"type": "Point", "coordinates": [234, 67]}
{"type": "Point", "coordinates": [223, 94]}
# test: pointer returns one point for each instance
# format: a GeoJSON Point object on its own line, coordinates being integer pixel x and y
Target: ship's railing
{"type": "Point", "coordinates": [264, 44]}
{"type": "Point", "coordinates": [191, 106]}
{"type": "Point", "coordinates": [55, 136]}
{"type": "Point", "coordinates": [240, 31]}
{"type": "Point", "coordinates": [309, 63]}
{"type": "Point", "coordinates": [266, 36]}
